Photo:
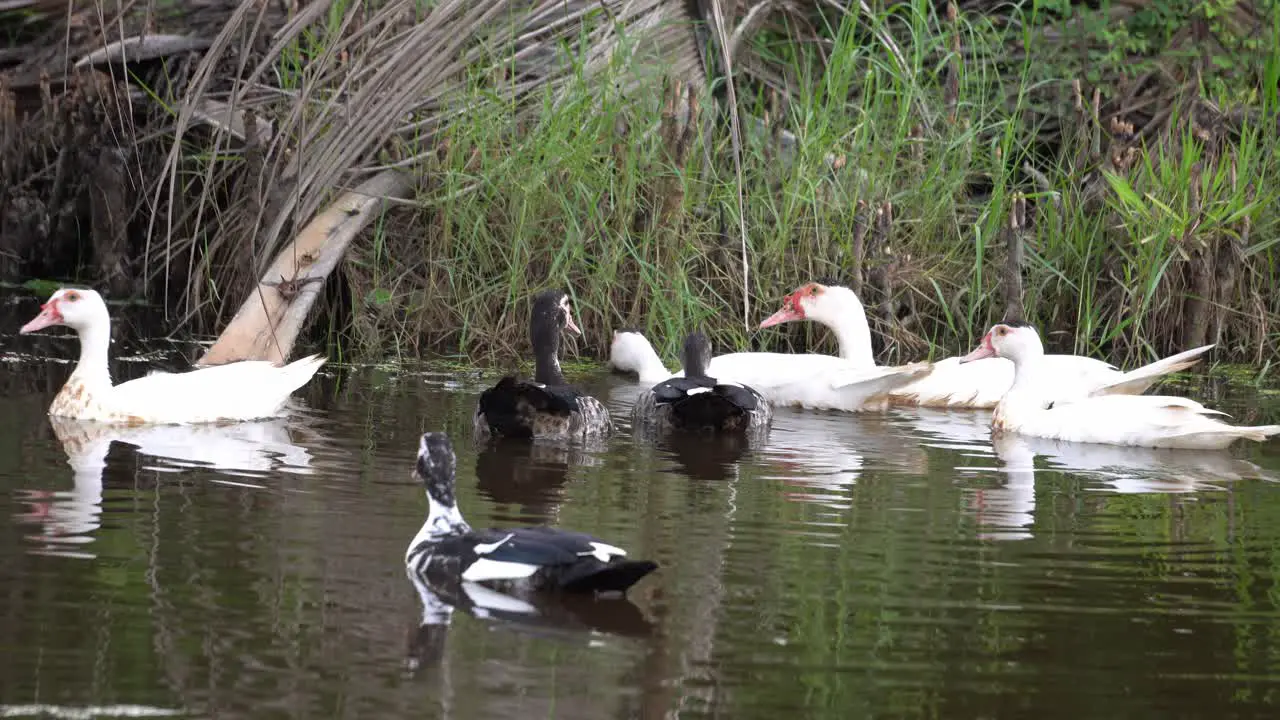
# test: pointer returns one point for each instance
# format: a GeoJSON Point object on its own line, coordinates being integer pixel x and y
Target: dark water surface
{"type": "Point", "coordinates": [891, 565]}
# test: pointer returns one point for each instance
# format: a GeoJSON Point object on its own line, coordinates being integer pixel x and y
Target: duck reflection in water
{"type": "Point", "coordinates": [576, 619]}
{"type": "Point", "coordinates": [530, 474]}
{"type": "Point", "coordinates": [706, 457]}
{"type": "Point", "coordinates": [1128, 469]}
{"type": "Point", "coordinates": [1006, 510]}
{"type": "Point", "coordinates": [68, 520]}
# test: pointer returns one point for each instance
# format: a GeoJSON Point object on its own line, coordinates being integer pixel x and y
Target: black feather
{"type": "Point", "coordinates": [511, 407]}
{"type": "Point", "coordinates": [565, 560]}
{"type": "Point", "coordinates": [616, 577]}
{"type": "Point", "coordinates": [548, 406]}
{"type": "Point", "coordinates": [447, 547]}
{"type": "Point", "coordinates": [698, 403]}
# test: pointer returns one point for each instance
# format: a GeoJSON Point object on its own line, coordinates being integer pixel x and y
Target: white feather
{"type": "Point", "coordinates": [978, 384]}
{"type": "Point", "coordinates": [698, 390]}
{"type": "Point", "coordinates": [486, 548]}
{"type": "Point", "coordinates": [603, 552]}
{"type": "Point", "coordinates": [1033, 407]}
{"type": "Point", "coordinates": [485, 569]}
{"type": "Point", "coordinates": [245, 390]}
{"type": "Point", "coordinates": [632, 352]}
{"type": "Point", "coordinates": [486, 598]}
{"type": "Point", "coordinates": [819, 382]}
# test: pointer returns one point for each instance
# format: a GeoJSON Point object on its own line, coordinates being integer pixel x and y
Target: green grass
{"type": "Point", "coordinates": [640, 239]}
{"type": "Point", "coordinates": [570, 167]}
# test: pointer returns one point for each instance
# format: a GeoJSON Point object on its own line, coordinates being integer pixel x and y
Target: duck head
{"type": "Point", "coordinates": [78, 309]}
{"type": "Point", "coordinates": [826, 304]}
{"type": "Point", "coordinates": [435, 468]}
{"type": "Point", "coordinates": [550, 316]}
{"type": "Point", "coordinates": [1012, 339]}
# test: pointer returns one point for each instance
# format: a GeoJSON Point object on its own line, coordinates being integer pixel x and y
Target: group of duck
{"type": "Point", "coordinates": [1061, 397]}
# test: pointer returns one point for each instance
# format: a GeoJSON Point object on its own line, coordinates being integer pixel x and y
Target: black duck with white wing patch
{"type": "Point", "coordinates": [547, 406]}
{"type": "Point", "coordinates": [697, 403]}
{"type": "Point", "coordinates": [527, 559]}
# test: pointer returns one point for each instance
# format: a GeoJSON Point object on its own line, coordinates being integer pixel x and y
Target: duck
{"type": "Point", "coordinates": [698, 403]}
{"type": "Point", "coordinates": [974, 385]}
{"type": "Point", "coordinates": [631, 352]}
{"type": "Point", "coordinates": [236, 391]}
{"type": "Point", "coordinates": [514, 561]}
{"type": "Point", "coordinates": [1033, 406]}
{"type": "Point", "coordinates": [808, 381]}
{"type": "Point", "coordinates": [547, 406]}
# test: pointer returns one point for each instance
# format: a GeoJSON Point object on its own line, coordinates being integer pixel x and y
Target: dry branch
{"type": "Point", "coordinates": [143, 47]}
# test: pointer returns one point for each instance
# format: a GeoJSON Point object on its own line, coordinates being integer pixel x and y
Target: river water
{"type": "Point", "coordinates": [893, 565]}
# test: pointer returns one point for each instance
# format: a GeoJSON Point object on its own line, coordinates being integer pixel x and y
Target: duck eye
{"type": "Point", "coordinates": [71, 296]}
{"type": "Point", "coordinates": [1001, 332]}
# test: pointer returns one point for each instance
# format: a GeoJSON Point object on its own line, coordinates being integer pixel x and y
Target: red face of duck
{"type": "Point", "coordinates": [793, 305]}
{"type": "Point", "coordinates": [987, 348]}
{"type": "Point", "coordinates": [51, 312]}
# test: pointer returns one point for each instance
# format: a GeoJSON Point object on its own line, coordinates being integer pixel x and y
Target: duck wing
{"type": "Point", "coordinates": [246, 390]}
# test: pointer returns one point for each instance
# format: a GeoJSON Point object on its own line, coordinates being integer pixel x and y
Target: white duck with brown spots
{"type": "Point", "coordinates": [245, 390]}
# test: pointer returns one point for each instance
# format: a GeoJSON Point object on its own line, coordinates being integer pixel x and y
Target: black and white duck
{"type": "Point", "coordinates": [515, 560]}
{"type": "Point", "coordinates": [547, 406]}
{"type": "Point", "coordinates": [697, 403]}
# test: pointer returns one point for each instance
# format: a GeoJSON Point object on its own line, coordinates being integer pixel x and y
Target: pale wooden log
{"type": "Point", "coordinates": [268, 322]}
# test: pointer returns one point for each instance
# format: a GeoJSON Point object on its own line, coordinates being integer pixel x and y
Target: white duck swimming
{"type": "Point", "coordinates": [966, 385]}
{"type": "Point", "coordinates": [1031, 407]}
{"type": "Point", "coordinates": [817, 382]}
{"type": "Point", "coordinates": [246, 390]}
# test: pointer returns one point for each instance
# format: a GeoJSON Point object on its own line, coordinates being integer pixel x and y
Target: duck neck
{"type": "Point", "coordinates": [1030, 383]}
{"type": "Point", "coordinates": [850, 327]}
{"type": "Point", "coordinates": [695, 365]}
{"type": "Point", "coordinates": [442, 519]}
{"type": "Point", "coordinates": [649, 366]}
{"type": "Point", "coordinates": [546, 362]}
{"type": "Point", "coordinates": [93, 370]}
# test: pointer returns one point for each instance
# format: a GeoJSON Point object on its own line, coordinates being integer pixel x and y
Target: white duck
{"type": "Point", "coordinates": [245, 390]}
{"type": "Point", "coordinates": [953, 384]}
{"type": "Point", "coordinates": [1033, 406]}
{"type": "Point", "coordinates": [817, 382]}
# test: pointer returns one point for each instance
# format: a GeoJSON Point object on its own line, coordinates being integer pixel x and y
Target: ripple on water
{"type": "Point", "coordinates": [847, 568]}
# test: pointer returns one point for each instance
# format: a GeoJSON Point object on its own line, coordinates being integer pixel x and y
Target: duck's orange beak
{"type": "Point", "coordinates": [984, 350]}
{"type": "Point", "coordinates": [790, 311]}
{"type": "Point", "coordinates": [49, 316]}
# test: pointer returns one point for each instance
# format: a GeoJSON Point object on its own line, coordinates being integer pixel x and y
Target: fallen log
{"type": "Point", "coordinates": [267, 324]}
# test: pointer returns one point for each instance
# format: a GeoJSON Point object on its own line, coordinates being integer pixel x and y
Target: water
{"type": "Point", "coordinates": [891, 565]}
